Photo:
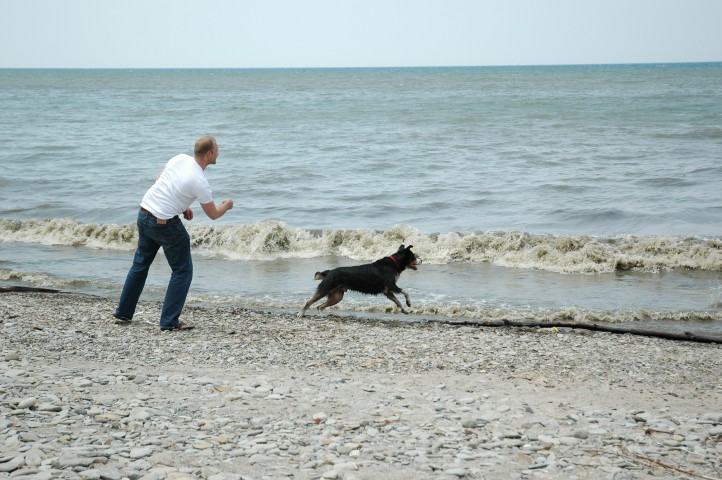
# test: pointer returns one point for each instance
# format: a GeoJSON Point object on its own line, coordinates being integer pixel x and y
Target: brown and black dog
{"type": "Point", "coordinates": [371, 278]}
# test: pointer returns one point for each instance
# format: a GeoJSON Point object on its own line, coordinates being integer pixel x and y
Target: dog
{"type": "Point", "coordinates": [372, 278]}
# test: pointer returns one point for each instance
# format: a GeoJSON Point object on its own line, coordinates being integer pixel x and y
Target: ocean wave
{"type": "Point", "coordinates": [41, 280]}
{"type": "Point", "coordinates": [271, 240]}
{"type": "Point", "coordinates": [700, 133]}
{"type": "Point", "coordinates": [68, 231]}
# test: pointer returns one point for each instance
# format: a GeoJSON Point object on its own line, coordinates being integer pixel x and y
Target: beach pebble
{"type": "Point", "coordinates": [469, 423]}
{"type": "Point", "coordinates": [27, 403]}
{"type": "Point", "coordinates": [319, 417]}
{"type": "Point", "coordinates": [457, 472]}
{"type": "Point", "coordinates": [12, 462]}
{"type": "Point", "coordinates": [715, 417]}
{"type": "Point", "coordinates": [339, 398]}
{"type": "Point", "coordinates": [12, 356]}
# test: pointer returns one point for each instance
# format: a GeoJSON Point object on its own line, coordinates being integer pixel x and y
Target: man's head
{"type": "Point", "coordinates": [206, 151]}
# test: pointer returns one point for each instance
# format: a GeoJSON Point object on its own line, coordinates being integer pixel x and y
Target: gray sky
{"type": "Point", "coordinates": [355, 33]}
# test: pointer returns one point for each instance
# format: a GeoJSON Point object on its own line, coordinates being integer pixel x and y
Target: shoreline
{"type": "Point", "coordinates": [252, 394]}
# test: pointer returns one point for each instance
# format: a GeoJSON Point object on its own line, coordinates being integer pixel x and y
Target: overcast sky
{"type": "Point", "coordinates": [355, 33]}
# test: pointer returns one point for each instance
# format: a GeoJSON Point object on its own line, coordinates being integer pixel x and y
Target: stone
{"type": "Point", "coordinates": [715, 417]}
{"type": "Point", "coordinates": [12, 464]}
{"type": "Point", "coordinates": [27, 403]}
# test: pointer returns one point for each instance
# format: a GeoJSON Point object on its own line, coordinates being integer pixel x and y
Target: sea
{"type": "Point", "coordinates": [585, 193]}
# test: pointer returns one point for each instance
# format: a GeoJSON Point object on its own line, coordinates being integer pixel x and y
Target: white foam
{"type": "Point", "coordinates": [271, 240]}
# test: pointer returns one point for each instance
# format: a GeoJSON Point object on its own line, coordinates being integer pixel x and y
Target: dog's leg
{"type": "Point", "coordinates": [393, 298]}
{"type": "Point", "coordinates": [333, 298]}
{"type": "Point", "coordinates": [406, 295]}
{"type": "Point", "coordinates": [314, 299]}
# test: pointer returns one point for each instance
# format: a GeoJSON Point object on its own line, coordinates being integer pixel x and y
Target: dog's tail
{"type": "Point", "coordinates": [320, 275]}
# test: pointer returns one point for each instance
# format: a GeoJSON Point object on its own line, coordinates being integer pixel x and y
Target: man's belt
{"type": "Point", "coordinates": [159, 221]}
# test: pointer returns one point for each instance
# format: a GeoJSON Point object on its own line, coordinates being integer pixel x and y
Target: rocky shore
{"type": "Point", "coordinates": [256, 395]}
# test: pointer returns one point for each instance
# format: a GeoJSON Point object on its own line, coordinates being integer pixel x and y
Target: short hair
{"type": "Point", "coordinates": [204, 145]}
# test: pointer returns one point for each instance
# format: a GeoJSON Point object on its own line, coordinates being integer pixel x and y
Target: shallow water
{"type": "Point", "coordinates": [678, 300]}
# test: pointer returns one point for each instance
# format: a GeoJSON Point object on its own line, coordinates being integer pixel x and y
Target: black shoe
{"type": "Point", "coordinates": [121, 320]}
{"type": "Point", "coordinates": [180, 326]}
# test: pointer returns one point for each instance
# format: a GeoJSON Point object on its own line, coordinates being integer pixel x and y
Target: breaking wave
{"type": "Point", "coordinates": [42, 280]}
{"type": "Point", "coordinates": [273, 240]}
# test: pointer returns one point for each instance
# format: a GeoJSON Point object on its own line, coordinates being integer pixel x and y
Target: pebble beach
{"type": "Point", "coordinates": [259, 395]}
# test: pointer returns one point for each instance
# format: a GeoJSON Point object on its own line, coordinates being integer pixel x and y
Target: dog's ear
{"type": "Point", "coordinates": [401, 248]}
{"type": "Point", "coordinates": [409, 247]}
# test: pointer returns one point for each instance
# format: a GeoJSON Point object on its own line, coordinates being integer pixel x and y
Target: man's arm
{"type": "Point", "coordinates": [215, 212]}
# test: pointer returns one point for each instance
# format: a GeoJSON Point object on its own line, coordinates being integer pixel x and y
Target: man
{"type": "Point", "coordinates": [181, 183]}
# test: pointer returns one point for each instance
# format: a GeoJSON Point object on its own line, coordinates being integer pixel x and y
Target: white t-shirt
{"type": "Point", "coordinates": [179, 185]}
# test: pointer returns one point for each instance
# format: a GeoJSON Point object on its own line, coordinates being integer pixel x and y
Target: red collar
{"type": "Point", "coordinates": [395, 261]}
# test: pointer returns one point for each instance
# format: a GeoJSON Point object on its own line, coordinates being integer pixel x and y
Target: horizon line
{"type": "Point", "coordinates": [373, 67]}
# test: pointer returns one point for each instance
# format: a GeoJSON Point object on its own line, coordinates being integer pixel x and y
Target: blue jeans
{"type": "Point", "coordinates": [176, 243]}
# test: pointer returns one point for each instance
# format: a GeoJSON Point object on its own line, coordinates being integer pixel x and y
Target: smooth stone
{"type": "Point", "coordinates": [70, 461]}
{"type": "Point", "coordinates": [12, 465]}
{"type": "Point", "coordinates": [345, 467]}
{"type": "Point", "coordinates": [202, 445]}
{"type": "Point", "coordinates": [139, 413]}
{"type": "Point", "coordinates": [107, 417]}
{"type": "Point", "coordinates": [110, 473]}
{"type": "Point", "coordinates": [162, 458]}
{"type": "Point", "coordinates": [457, 472]}
{"type": "Point", "coordinates": [152, 476]}
{"type": "Point", "coordinates": [259, 458]}
{"type": "Point", "coordinates": [89, 474]}
{"type": "Point", "coordinates": [488, 417]}
{"type": "Point", "coordinates": [33, 457]}
{"type": "Point", "coordinates": [642, 417]}
{"type": "Point", "coordinates": [27, 403]}
{"type": "Point", "coordinates": [43, 475]}
{"type": "Point", "coordinates": [49, 407]}
{"type": "Point", "coordinates": [319, 417]}
{"type": "Point", "coordinates": [137, 453]}
{"type": "Point", "coordinates": [27, 437]}
{"type": "Point", "coordinates": [469, 423]}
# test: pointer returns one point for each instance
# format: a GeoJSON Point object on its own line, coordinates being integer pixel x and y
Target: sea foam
{"type": "Point", "coordinates": [272, 240]}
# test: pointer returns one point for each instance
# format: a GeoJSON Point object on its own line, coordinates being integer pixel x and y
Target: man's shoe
{"type": "Point", "coordinates": [121, 320]}
{"type": "Point", "coordinates": [180, 326]}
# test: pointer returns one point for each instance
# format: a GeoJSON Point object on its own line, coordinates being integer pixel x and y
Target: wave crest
{"type": "Point", "coordinates": [274, 239]}
{"type": "Point", "coordinates": [66, 231]}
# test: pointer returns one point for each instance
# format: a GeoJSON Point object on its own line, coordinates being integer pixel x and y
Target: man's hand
{"type": "Point", "coordinates": [188, 214]}
{"type": "Point", "coordinates": [228, 203]}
